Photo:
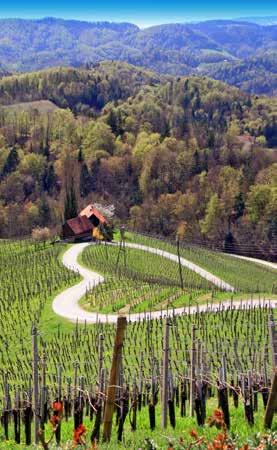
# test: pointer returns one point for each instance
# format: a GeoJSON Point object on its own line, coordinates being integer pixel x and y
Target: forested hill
{"type": "Point", "coordinates": [184, 154]}
{"type": "Point", "coordinates": [82, 90]}
{"type": "Point", "coordinates": [238, 53]}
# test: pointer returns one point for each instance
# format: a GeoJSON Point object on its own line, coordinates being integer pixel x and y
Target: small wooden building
{"type": "Point", "coordinates": [77, 229]}
{"type": "Point", "coordinates": [94, 216]}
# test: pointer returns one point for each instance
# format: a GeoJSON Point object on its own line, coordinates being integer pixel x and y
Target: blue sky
{"type": "Point", "coordinates": [143, 12]}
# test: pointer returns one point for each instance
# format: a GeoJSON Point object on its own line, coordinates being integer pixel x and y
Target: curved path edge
{"type": "Point", "coordinates": [66, 304]}
{"type": "Point", "coordinates": [269, 264]}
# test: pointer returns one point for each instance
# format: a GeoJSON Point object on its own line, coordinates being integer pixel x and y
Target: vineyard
{"type": "Point", "coordinates": [171, 373]}
{"type": "Point", "coordinates": [243, 275]}
{"type": "Point", "coordinates": [140, 281]}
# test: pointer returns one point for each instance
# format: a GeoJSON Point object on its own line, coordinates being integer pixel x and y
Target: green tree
{"type": "Point", "coordinates": [33, 164]}
{"type": "Point", "coordinates": [259, 197]}
{"type": "Point", "coordinates": [49, 179]}
{"type": "Point", "coordinates": [85, 181]}
{"type": "Point", "coordinates": [44, 211]}
{"type": "Point", "coordinates": [239, 205]}
{"type": "Point", "coordinates": [12, 162]}
{"type": "Point", "coordinates": [98, 137]}
{"type": "Point", "coordinates": [70, 204]}
{"type": "Point", "coordinates": [211, 225]}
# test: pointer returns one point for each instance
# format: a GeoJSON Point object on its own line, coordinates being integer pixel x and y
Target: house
{"type": "Point", "coordinates": [77, 229]}
{"type": "Point", "coordinates": [246, 140]}
{"type": "Point", "coordinates": [94, 216]}
{"type": "Point", "coordinates": [85, 226]}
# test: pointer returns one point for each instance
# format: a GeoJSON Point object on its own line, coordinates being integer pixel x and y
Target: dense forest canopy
{"type": "Point", "coordinates": [186, 155]}
{"type": "Point", "coordinates": [77, 89]}
{"type": "Point", "coordinates": [237, 52]}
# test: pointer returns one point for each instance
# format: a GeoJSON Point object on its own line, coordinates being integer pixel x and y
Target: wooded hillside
{"type": "Point", "coordinates": [173, 154]}
{"type": "Point", "coordinates": [222, 46]}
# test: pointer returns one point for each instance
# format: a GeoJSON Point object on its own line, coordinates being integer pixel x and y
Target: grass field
{"type": "Point", "coordinates": [42, 106]}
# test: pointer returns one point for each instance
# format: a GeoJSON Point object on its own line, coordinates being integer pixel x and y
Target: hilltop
{"type": "Point", "coordinates": [222, 46]}
{"type": "Point", "coordinates": [78, 89]}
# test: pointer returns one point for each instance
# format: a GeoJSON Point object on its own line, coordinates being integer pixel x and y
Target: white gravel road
{"type": "Point", "coordinates": [66, 303]}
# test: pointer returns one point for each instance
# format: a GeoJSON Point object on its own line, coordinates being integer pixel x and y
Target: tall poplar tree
{"type": "Point", "coordinates": [70, 204]}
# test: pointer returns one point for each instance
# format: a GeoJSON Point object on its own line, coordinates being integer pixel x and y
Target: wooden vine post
{"type": "Point", "coordinates": [114, 373]}
{"type": "Point", "coordinates": [192, 373]}
{"type": "Point", "coordinates": [271, 406]}
{"type": "Point", "coordinates": [179, 264]}
{"type": "Point", "coordinates": [35, 383]}
{"type": "Point", "coordinates": [100, 394]}
{"type": "Point", "coordinates": [121, 248]}
{"type": "Point", "coordinates": [165, 374]}
{"type": "Point", "coordinates": [273, 339]}
{"type": "Point", "coordinates": [59, 398]}
{"type": "Point", "coordinates": [100, 357]}
{"type": "Point", "coordinates": [6, 407]}
{"type": "Point", "coordinates": [43, 412]}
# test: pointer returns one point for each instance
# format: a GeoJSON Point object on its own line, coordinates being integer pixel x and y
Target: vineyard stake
{"type": "Point", "coordinates": [75, 366]}
{"type": "Point", "coordinates": [35, 381]}
{"type": "Point", "coordinates": [43, 394]}
{"type": "Point", "coordinates": [180, 265]}
{"type": "Point", "coordinates": [272, 402]}
{"type": "Point", "coordinates": [192, 372]}
{"type": "Point", "coordinates": [165, 374]}
{"type": "Point", "coordinates": [17, 417]}
{"type": "Point", "coordinates": [59, 396]}
{"type": "Point", "coordinates": [6, 407]}
{"type": "Point", "coordinates": [272, 399]}
{"type": "Point", "coordinates": [114, 372]}
{"type": "Point", "coordinates": [273, 339]}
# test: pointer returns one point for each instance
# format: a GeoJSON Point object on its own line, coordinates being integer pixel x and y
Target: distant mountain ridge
{"type": "Point", "coordinates": [267, 20]}
{"type": "Point", "coordinates": [216, 48]}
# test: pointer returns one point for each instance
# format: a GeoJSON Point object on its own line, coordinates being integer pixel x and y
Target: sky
{"type": "Point", "coordinates": [143, 12]}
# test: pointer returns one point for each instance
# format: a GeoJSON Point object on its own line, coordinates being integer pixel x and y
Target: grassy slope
{"type": "Point", "coordinates": [42, 106]}
{"type": "Point", "coordinates": [50, 323]}
{"type": "Point", "coordinates": [246, 276]}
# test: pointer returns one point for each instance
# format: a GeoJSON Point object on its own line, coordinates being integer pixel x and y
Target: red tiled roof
{"type": "Point", "coordinates": [90, 211]}
{"type": "Point", "coordinates": [246, 138]}
{"type": "Point", "coordinates": [80, 225]}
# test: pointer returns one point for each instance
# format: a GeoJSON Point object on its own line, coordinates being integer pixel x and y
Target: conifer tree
{"type": "Point", "coordinates": [70, 205]}
{"type": "Point", "coordinates": [11, 162]}
{"type": "Point", "coordinates": [49, 179]}
{"type": "Point", "coordinates": [85, 181]}
{"type": "Point", "coordinates": [44, 211]}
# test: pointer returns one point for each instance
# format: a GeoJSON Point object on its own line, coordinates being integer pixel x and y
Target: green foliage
{"type": "Point", "coordinates": [85, 181]}
{"type": "Point", "coordinates": [11, 162]}
{"type": "Point", "coordinates": [161, 150]}
{"type": "Point", "coordinates": [70, 204]}
{"type": "Point", "coordinates": [213, 217]}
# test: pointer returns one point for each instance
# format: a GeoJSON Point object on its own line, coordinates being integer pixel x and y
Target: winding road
{"type": "Point", "coordinates": [66, 304]}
